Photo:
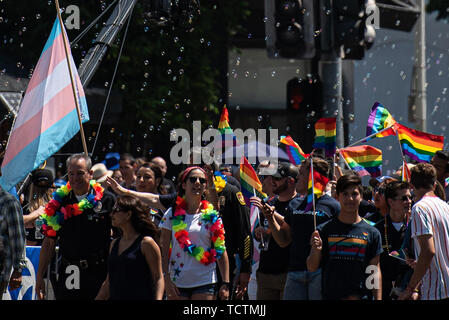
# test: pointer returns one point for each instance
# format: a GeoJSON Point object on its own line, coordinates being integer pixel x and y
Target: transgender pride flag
{"type": "Point", "coordinates": [47, 118]}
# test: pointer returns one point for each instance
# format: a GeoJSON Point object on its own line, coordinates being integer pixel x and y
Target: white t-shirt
{"type": "Point", "coordinates": [430, 215]}
{"type": "Point", "coordinates": [185, 270]}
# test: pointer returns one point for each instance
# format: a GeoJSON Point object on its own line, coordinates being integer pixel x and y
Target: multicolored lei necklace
{"type": "Point", "coordinates": [214, 225]}
{"type": "Point", "coordinates": [54, 215]}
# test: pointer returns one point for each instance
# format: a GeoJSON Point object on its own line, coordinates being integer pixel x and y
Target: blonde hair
{"type": "Point", "coordinates": [38, 196]}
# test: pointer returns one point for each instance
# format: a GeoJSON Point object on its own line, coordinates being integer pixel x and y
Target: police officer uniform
{"type": "Point", "coordinates": [84, 242]}
{"type": "Point", "coordinates": [235, 216]}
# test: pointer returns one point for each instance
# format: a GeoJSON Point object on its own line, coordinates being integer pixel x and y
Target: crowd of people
{"type": "Point", "coordinates": [125, 231]}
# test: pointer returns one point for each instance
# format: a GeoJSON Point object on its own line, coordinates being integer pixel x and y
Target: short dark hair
{"type": "Point", "coordinates": [128, 156]}
{"type": "Point", "coordinates": [319, 164]}
{"type": "Point", "coordinates": [347, 180]}
{"type": "Point", "coordinates": [423, 175]}
{"type": "Point", "coordinates": [367, 193]}
{"type": "Point", "coordinates": [392, 188]}
{"type": "Point", "coordinates": [443, 155]}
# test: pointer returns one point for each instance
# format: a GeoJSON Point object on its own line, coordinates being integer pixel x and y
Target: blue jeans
{"type": "Point", "coordinates": [303, 285]}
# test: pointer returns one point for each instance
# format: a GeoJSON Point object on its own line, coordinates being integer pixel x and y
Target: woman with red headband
{"type": "Point", "coordinates": [197, 235]}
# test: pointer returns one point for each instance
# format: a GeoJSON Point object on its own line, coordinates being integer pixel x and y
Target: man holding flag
{"type": "Point", "coordinates": [296, 227]}
{"type": "Point", "coordinates": [274, 258]}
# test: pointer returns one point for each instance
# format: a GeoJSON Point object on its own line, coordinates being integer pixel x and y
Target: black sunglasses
{"type": "Point", "coordinates": [405, 198]}
{"type": "Point", "coordinates": [194, 179]}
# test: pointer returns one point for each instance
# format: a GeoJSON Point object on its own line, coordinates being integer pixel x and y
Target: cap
{"type": "Point", "coordinates": [100, 172]}
{"type": "Point", "coordinates": [286, 169]}
{"type": "Point", "coordinates": [42, 178]}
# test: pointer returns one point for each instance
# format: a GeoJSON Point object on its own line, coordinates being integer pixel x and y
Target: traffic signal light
{"type": "Point", "coordinates": [290, 28]}
{"type": "Point", "coordinates": [352, 29]}
{"type": "Point", "coordinates": [305, 96]}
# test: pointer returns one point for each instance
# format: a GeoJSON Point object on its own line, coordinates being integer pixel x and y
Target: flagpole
{"type": "Point", "coordinates": [370, 136]}
{"type": "Point", "coordinates": [313, 195]}
{"type": "Point", "coordinates": [262, 243]}
{"type": "Point", "coordinates": [83, 138]}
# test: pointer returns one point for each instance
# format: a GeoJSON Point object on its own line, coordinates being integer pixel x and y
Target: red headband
{"type": "Point", "coordinates": [187, 171]}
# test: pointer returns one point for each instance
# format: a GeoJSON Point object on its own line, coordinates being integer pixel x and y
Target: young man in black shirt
{"type": "Point", "coordinates": [393, 228]}
{"type": "Point", "coordinates": [348, 249]}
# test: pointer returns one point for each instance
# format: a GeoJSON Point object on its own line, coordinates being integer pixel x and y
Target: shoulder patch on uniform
{"type": "Point", "coordinates": [240, 198]}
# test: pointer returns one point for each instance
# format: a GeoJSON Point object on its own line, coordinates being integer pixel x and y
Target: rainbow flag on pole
{"type": "Point", "coordinates": [365, 160]}
{"type": "Point", "coordinates": [294, 151]}
{"type": "Point", "coordinates": [227, 134]}
{"type": "Point", "coordinates": [378, 120]}
{"type": "Point", "coordinates": [418, 145]}
{"type": "Point", "coordinates": [405, 172]}
{"type": "Point", "coordinates": [249, 181]}
{"type": "Point", "coordinates": [326, 135]}
{"type": "Point", "coordinates": [316, 185]}
{"type": "Point", "coordinates": [47, 118]}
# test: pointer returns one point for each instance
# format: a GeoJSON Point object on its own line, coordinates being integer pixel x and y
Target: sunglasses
{"type": "Point", "coordinates": [195, 179]}
{"type": "Point", "coordinates": [404, 198]}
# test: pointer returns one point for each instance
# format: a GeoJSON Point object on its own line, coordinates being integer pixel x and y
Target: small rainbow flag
{"type": "Point", "coordinates": [317, 184]}
{"type": "Point", "coordinates": [405, 172]}
{"type": "Point", "coordinates": [228, 138]}
{"type": "Point", "coordinates": [365, 160]}
{"type": "Point", "coordinates": [294, 151]}
{"type": "Point", "coordinates": [249, 181]}
{"type": "Point", "coordinates": [418, 145]}
{"type": "Point", "coordinates": [398, 255]}
{"type": "Point", "coordinates": [326, 135]}
{"type": "Point", "coordinates": [378, 120]}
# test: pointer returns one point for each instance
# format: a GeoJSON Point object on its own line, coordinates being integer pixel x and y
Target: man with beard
{"type": "Point", "coordinates": [274, 259]}
{"type": "Point", "coordinates": [294, 230]}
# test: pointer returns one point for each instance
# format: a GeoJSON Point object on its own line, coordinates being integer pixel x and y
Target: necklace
{"type": "Point", "coordinates": [210, 216]}
{"type": "Point", "coordinates": [54, 216]}
{"type": "Point", "coordinates": [386, 236]}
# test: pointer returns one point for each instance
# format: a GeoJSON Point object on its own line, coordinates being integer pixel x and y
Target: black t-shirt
{"type": "Point", "coordinates": [366, 208]}
{"type": "Point", "coordinates": [347, 251]}
{"type": "Point", "coordinates": [273, 258]}
{"type": "Point", "coordinates": [89, 233]}
{"type": "Point", "coordinates": [391, 267]}
{"type": "Point", "coordinates": [301, 227]}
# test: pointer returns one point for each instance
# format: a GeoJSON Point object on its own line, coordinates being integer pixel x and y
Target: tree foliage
{"type": "Point", "coordinates": [167, 76]}
{"type": "Point", "coordinates": [440, 6]}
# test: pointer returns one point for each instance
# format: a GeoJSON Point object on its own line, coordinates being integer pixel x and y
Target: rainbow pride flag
{"type": "Point", "coordinates": [228, 138]}
{"type": "Point", "coordinates": [418, 145]}
{"type": "Point", "coordinates": [326, 135]}
{"type": "Point", "coordinates": [316, 185]}
{"type": "Point", "coordinates": [294, 151]}
{"type": "Point", "coordinates": [249, 181]}
{"type": "Point", "coordinates": [365, 160]}
{"type": "Point", "coordinates": [405, 172]}
{"type": "Point", "coordinates": [378, 120]}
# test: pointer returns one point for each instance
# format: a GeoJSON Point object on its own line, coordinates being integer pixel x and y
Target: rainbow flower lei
{"type": "Point", "coordinates": [54, 215]}
{"type": "Point", "coordinates": [214, 225]}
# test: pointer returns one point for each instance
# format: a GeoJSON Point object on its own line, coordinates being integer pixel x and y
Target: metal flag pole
{"type": "Point", "coordinates": [262, 242]}
{"type": "Point", "coordinates": [83, 138]}
{"type": "Point", "coordinates": [367, 137]}
{"type": "Point", "coordinates": [313, 194]}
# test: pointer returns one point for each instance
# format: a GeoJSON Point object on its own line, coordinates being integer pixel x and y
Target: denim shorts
{"type": "Point", "coordinates": [206, 289]}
